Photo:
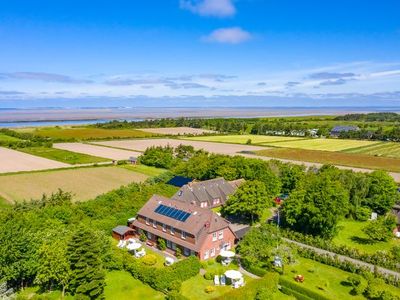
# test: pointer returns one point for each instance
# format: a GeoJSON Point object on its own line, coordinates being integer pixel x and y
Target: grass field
{"type": "Point", "coordinates": [122, 286]}
{"type": "Point", "coordinates": [242, 139]}
{"type": "Point", "coordinates": [351, 235]}
{"type": "Point", "coordinates": [64, 156]}
{"type": "Point", "coordinates": [336, 158]}
{"type": "Point", "coordinates": [146, 170]}
{"type": "Point", "coordinates": [84, 183]}
{"type": "Point", "coordinates": [87, 133]}
{"type": "Point", "coordinates": [6, 138]}
{"type": "Point", "coordinates": [387, 149]}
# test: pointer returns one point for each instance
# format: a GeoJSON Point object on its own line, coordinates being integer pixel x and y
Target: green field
{"type": "Point", "coordinates": [351, 235]}
{"type": "Point", "coordinates": [387, 149]}
{"type": "Point", "coordinates": [7, 138]}
{"type": "Point", "coordinates": [242, 139]}
{"type": "Point", "coordinates": [64, 156]}
{"type": "Point", "coordinates": [146, 170]}
{"type": "Point", "coordinates": [84, 183]}
{"type": "Point", "coordinates": [122, 286]}
{"type": "Point", "coordinates": [87, 133]}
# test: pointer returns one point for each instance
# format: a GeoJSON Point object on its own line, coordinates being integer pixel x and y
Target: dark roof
{"type": "Point", "coordinates": [179, 181]}
{"type": "Point", "coordinates": [121, 229]}
{"type": "Point", "coordinates": [207, 191]}
{"type": "Point", "coordinates": [341, 128]}
{"type": "Point", "coordinates": [200, 219]}
{"type": "Point", "coordinates": [240, 233]}
{"type": "Point", "coordinates": [396, 212]}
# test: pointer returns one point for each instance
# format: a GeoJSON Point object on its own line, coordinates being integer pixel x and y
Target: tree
{"type": "Point", "coordinates": [381, 229]}
{"type": "Point", "coordinates": [160, 157]}
{"type": "Point", "coordinates": [382, 193]}
{"type": "Point", "coordinates": [184, 151]}
{"type": "Point", "coordinates": [290, 176]}
{"type": "Point", "coordinates": [316, 205]}
{"type": "Point", "coordinates": [161, 244]}
{"type": "Point", "coordinates": [53, 268]}
{"type": "Point", "coordinates": [250, 200]}
{"type": "Point", "coordinates": [87, 275]}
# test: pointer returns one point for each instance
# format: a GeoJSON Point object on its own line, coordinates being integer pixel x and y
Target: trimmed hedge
{"type": "Point", "coordinates": [288, 284]}
{"type": "Point", "coordinates": [294, 293]}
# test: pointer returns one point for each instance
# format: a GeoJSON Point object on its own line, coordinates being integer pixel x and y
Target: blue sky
{"type": "Point", "coordinates": [199, 53]}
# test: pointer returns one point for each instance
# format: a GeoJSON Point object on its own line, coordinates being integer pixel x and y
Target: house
{"type": "Point", "coordinates": [122, 232]}
{"type": "Point", "coordinates": [207, 194]}
{"type": "Point", "coordinates": [133, 160]}
{"type": "Point", "coordinates": [195, 230]}
{"type": "Point", "coordinates": [337, 130]}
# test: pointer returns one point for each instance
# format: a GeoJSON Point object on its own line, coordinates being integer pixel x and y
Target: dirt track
{"type": "Point", "coordinates": [106, 152]}
{"type": "Point", "coordinates": [15, 161]}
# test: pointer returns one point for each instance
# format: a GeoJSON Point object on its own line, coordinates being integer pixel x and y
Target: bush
{"type": "Point", "coordinates": [210, 289]}
{"type": "Point", "coordinates": [208, 276]}
{"type": "Point", "coordinates": [363, 213]}
{"type": "Point", "coordinates": [263, 294]}
{"type": "Point", "coordinates": [142, 237]}
{"type": "Point", "coordinates": [174, 295]}
{"type": "Point", "coordinates": [161, 244]}
{"type": "Point", "coordinates": [178, 252]}
{"type": "Point", "coordinates": [301, 289]}
{"type": "Point", "coordinates": [149, 260]}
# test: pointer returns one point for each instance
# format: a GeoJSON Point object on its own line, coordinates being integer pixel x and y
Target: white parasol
{"type": "Point", "coordinates": [233, 274]}
{"type": "Point", "coordinates": [228, 254]}
{"type": "Point", "coordinates": [133, 246]}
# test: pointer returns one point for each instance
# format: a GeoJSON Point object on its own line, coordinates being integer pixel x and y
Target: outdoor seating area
{"type": "Point", "coordinates": [227, 257]}
{"type": "Point", "coordinates": [219, 280]}
{"type": "Point", "coordinates": [235, 277]}
{"type": "Point", "coordinates": [133, 245]}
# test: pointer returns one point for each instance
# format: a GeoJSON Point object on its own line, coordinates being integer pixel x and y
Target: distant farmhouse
{"type": "Point", "coordinates": [207, 194]}
{"type": "Point", "coordinates": [195, 230]}
{"type": "Point", "coordinates": [337, 130]}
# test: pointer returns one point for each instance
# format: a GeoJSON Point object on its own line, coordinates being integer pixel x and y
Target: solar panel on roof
{"type": "Point", "coordinates": [171, 212]}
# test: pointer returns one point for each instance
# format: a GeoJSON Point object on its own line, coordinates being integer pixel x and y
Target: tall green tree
{"type": "Point", "coordinates": [250, 200]}
{"type": "Point", "coordinates": [316, 205]}
{"type": "Point", "coordinates": [381, 229]}
{"type": "Point", "coordinates": [84, 255]}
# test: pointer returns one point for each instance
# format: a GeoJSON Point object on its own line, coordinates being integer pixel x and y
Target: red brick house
{"type": "Point", "coordinates": [195, 230]}
{"type": "Point", "coordinates": [207, 194]}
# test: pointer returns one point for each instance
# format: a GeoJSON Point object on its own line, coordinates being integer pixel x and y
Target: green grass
{"type": "Point", "coordinates": [64, 156]}
{"type": "Point", "coordinates": [7, 138]}
{"type": "Point", "coordinates": [319, 276]}
{"type": "Point", "coordinates": [387, 149]}
{"type": "Point", "coordinates": [146, 170]}
{"type": "Point", "coordinates": [87, 133]}
{"type": "Point", "coordinates": [31, 292]}
{"type": "Point", "coordinates": [122, 286]}
{"type": "Point", "coordinates": [4, 203]}
{"type": "Point", "coordinates": [351, 235]}
{"type": "Point", "coordinates": [242, 139]}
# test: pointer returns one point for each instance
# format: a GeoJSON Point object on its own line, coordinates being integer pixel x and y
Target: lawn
{"type": "Point", "coordinates": [320, 278]}
{"type": "Point", "coordinates": [194, 287]}
{"type": "Point", "coordinates": [146, 170]}
{"type": "Point", "coordinates": [336, 158]}
{"type": "Point", "coordinates": [122, 286]}
{"type": "Point", "coordinates": [387, 149]}
{"type": "Point", "coordinates": [7, 138]}
{"type": "Point", "coordinates": [87, 133]}
{"type": "Point", "coordinates": [351, 235]}
{"type": "Point", "coordinates": [35, 293]}
{"type": "Point", "coordinates": [64, 156]}
{"type": "Point", "coordinates": [84, 183]}
{"type": "Point", "coordinates": [242, 139]}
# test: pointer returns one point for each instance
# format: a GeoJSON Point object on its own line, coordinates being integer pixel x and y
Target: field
{"type": "Point", "coordinates": [177, 130]}
{"type": "Point", "coordinates": [84, 183]}
{"type": "Point", "coordinates": [387, 149]}
{"type": "Point", "coordinates": [242, 139]}
{"type": "Point", "coordinates": [146, 170]}
{"type": "Point", "coordinates": [89, 149]}
{"type": "Point", "coordinates": [15, 161]}
{"type": "Point", "coordinates": [87, 133]}
{"type": "Point", "coordinates": [6, 138]}
{"type": "Point", "coordinates": [65, 156]}
{"type": "Point", "coordinates": [122, 286]}
{"type": "Point", "coordinates": [336, 158]}
{"type": "Point", "coordinates": [141, 145]}
{"type": "Point", "coordinates": [351, 235]}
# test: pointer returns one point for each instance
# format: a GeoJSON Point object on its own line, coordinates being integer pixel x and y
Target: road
{"type": "Point", "coordinates": [346, 258]}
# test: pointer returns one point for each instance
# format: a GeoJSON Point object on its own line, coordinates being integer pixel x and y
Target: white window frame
{"type": "Point", "coordinates": [169, 244]}
{"type": "Point", "coordinates": [149, 235]}
{"type": "Point", "coordinates": [216, 201]}
{"type": "Point", "coordinates": [183, 235]}
{"type": "Point", "coordinates": [147, 221]}
{"type": "Point", "coordinates": [203, 204]}
{"type": "Point", "coordinates": [206, 254]}
{"type": "Point", "coordinates": [172, 230]}
{"type": "Point", "coordinates": [164, 227]}
{"type": "Point", "coordinates": [214, 236]}
{"type": "Point", "coordinates": [221, 235]}
{"type": "Point", "coordinates": [212, 252]}
{"type": "Point", "coordinates": [154, 223]}
{"type": "Point", "coordinates": [186, 251]}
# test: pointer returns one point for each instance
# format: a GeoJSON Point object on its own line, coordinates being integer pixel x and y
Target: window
{"type": "Point", "coordinates": [203, 204]}
{"type": "Point", "coordinates": [164, 227]}
{"type": "Point", "coordinates": [186, 251]}
{"type": "Point", "coordinates": [216, 201]}
{"type": "Point", "coordinates": [147, 221]}
{"type": "Point", "coordinates": [183, 235]}
{"type": "Point", "coordinates": [172, 230]}
{"type": "Point", "coordinates": [169, 244]}
{"type": "Point", "coordinates": [149, 235]}
{"type": "Point", "coordinates": [206, 254]}
{"type": "Point", "coordinates": [154, 223]}
{"type": "Point", "coordinates": [214, 236]}
{"type": "Point", "coordinates": [221, 235]}
{"type": "Point", "coordinates": [212, 252]}
{"type": "Point", "coordinates": [173, 246]}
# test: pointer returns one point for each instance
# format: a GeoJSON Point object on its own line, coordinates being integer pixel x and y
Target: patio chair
{"type": "Point", "coordinates": [123, 244]}
{"type": "Point", "coordinates": [223, 280]}
{"type": "Point", "coordinates": [216, 280]}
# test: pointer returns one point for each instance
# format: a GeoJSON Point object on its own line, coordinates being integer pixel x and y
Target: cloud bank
{"type": "Point", "coordinates": [231, 35]}
{"type": "Point", "coordinates": [213, 8]}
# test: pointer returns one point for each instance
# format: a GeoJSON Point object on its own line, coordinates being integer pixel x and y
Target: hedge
{"type": "Point", "coordinates": [288, 284]}
{"type": "Point", "coordinates": [294, 293]}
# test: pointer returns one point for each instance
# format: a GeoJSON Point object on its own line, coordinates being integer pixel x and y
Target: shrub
{"type": "Point", "coordinates": [210, 289]}
{"type": "Point", "coordinates": [143, 237]}
{"type": "Point", "coordinates": [149, 260]}
{"type": "Point", "coordinates": [174, 295]}
{"type": "Point", "coordinates": [263, 294]}
{"type": "Point", "coordinates": [209, 276]}
{"type": "Point", "coordinates": [178, 252]}
{"type": "Point", "coordinates": [161, 244]}
{"type": "Point", "coordinates": [301, 289]}
{"type": "Point", "coordinates": [363, 213]}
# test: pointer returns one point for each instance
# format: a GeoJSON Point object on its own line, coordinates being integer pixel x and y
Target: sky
{"type": "Point", "coordinates": [70, 53]}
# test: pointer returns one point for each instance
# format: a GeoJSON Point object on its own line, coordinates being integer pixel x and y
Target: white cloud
{"type": "Point", "coordinates": [232, 35]}
{"type": "Point", "coordinates": [214, 8]}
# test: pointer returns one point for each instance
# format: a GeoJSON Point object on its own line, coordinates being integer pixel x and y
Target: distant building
{"type": "Point", "coordinates": [337, 130]}
{"type": "Point", "coordinates": [207, 194]}
{"type": "Point", "coordinates": [122, 232]}
{"type": "Point", "coordinates": [133, 160]}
